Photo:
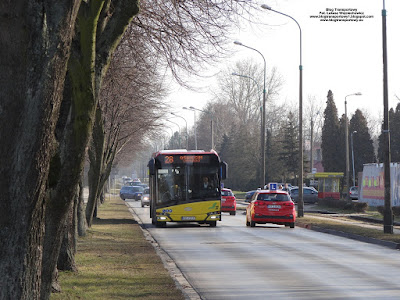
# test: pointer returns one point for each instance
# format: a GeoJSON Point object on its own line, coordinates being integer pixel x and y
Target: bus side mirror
{"type": "Point", "coordinates": [223, 170]}
{"type": "Point", "coordinates": [151, 165]}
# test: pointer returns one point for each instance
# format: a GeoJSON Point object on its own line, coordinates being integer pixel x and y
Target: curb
{"type": "Point", "coordinates": [388, 244]}
{"type": "Point", "coordinates": [180, 280]}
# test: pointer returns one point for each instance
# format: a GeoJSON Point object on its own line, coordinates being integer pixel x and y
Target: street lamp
{"type": "Point", "coordinates": [195, 131]}
{"type": "Point", "coordinates": [179, 128]}
{"type": "Point", "coordinates": [262, 116]}
{"type": "Point", "coordinates": [347, 145]}
{"type": "Point", "coordinates": [171, 139]}
{"type": "Point", "coordinates": [300, 204]}
{"type": "Point", "coordinates": [187, 140]}
{"type": "Point", "coordinates": [212, 123]}
{"type": "Point", "coordinates": [255, 81]}
{"type": "Point", "coordinates": [352, 156]}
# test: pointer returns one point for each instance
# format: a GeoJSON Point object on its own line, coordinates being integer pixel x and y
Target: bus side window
{"type": "Point", "coordinates": [223, 170]}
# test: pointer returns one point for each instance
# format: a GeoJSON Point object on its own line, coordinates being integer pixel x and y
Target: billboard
{"type": "Point", "coordinates": [372, 188]}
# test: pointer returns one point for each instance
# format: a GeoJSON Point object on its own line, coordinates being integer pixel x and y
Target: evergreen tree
{"type": "Point", "coordinates": [362, 142]}
{"type": "Point", "coordinates": [341, 144]}
{"type": "Point", "coordinates": [395, 135]}
{"type": "Point", "coordinates": [394, 123]}
{"type": "Point", "coordinates": [289, 154]}
{"type": "Point", "coordinates": [243, 168]}
{"type": "Point", "coordinates": [380, 139]}
{"type": "Point", "coordinates": [275, 170]}
{"type": "Point", "coordinates": [330, 136]}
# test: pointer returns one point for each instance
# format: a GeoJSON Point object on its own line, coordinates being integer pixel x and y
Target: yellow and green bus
{"type": "Point", "coordinates": [185, 186]}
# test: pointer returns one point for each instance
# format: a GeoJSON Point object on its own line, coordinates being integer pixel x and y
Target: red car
{"type": "Point", "coordinates": [271, 206]}
{"type": "Point", "coordinates": [228, 201]}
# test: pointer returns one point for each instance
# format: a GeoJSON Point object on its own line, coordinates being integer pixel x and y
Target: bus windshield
{"type": "Point", "coordinates": [186, 183]}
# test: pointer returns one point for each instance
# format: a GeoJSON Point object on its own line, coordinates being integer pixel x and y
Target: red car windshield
{"type": "Point", "coordinates": [226, 193]}
{"type": "Point", "coordinates": [273, 197]}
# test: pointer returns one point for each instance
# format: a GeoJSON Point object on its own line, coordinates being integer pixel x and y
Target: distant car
{"type": "Point", "coordinates": [271, 206]}
{"type": "Point", "coordinates": [133, 183]}
{"type": "Point", "coordinates": [228, 201]}
{"type": "Point", "coordinates": [145, 200]}
{"type": "Point", "coordinates": [131, 192]}
{"type": "Point", "coordinates": [310, 194]}
{"type": "Point", "coordinates": [249, 194]}
{"type": "Point", "coordinates": [353, 193]}
{"type": "Point", "coordinates": [126, 179]}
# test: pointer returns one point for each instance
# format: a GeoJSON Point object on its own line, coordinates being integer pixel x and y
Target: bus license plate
{"type": "Point", "coordinates": [274, 206]}
{"type": "Point", "coordinates": [186, 218]}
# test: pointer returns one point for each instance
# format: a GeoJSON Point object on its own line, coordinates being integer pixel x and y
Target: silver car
{"type": "Point", "coordinates": [146, 197]}
{"type": "Point", "coordinates": [353, 193]}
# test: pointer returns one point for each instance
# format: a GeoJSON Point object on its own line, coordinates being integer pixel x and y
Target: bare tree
{"type": "Point", "coordinates": [180, 35]}
{"type": "Point", "coordinates": [185, 35]}
{"type": "Point", "coordinates": [36, 39]}
{"type": "Point", "coordinates": [130, 108]}
{"type": "Point", "coordinates": [36, 46]}
{"type": "Point", "coordinates": [237, 107]}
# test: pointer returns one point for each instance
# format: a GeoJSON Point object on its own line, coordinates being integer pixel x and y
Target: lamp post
{"type": "Point", "coordinates": [179, 128]}
{"type": "Point", "coordinates": [347, 145]}
{"type": "Point", "coordinates": [212, 123]}
{"type": "Point", "coordinates": [255, 81]}
{"type": "Point", "coordinates": [251, 78]}
{"type": "Point", "coordinates": [300, 204]}
{"type": "Point", "coordinates": [171, 139]}
{"type": "Point", "coordinates": [352, 156]}
{"type": "Point", "coordinates": [388, 213]}
{"type": "Point", "coordinates": [262, 180]}
{"type": "Point", "coordinates": [195, 131]}
{"type": "Point", "coordinates": [187, 140]}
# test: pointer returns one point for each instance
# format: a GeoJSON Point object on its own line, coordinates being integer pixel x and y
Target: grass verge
{"type": "Point", "coordinates": [115, 261]}
{"type": "Point", "coordinates": [326, 222]}
{"type": "Point", "coordinates": [239, 194]}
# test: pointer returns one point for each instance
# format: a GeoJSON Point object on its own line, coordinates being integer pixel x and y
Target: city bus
{"type": "Point", "coordinates": [185, 186]}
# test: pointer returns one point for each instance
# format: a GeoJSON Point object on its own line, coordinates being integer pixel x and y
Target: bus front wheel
{"type": "Point", "coordinates": [213, 223]}
{"type": "Point", "coordinates": [161, 224]}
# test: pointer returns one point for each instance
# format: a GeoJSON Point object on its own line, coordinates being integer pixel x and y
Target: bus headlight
{"type": "Point", "coordinates": [162, 218]}
{"type": "Point", "coordinates": [214, 217]}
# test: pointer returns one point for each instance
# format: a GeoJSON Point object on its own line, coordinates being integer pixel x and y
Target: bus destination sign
{"type": "Point", "coordinates": [183, 159]}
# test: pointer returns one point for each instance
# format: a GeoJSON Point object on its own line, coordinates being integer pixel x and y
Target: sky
{"type": "Point", "coordinates": [342, 56]}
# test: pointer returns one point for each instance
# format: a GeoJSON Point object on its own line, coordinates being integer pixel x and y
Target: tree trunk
{"type": "Point", "coordinates": [35, 44]}
{"type": "Point", "coordinates": [35, 48]}
{"type": "Point", "coordinates": [96, 151]}
{"type": "Point", "coordinates": [66, 257]}
{"type": "Point", "coordinates": [80, 212]}
{"type": "Point", "coordinates": [87, 65]}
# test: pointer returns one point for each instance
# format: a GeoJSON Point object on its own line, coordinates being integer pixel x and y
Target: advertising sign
{"type": "Point", "coordinates": [372, 188]}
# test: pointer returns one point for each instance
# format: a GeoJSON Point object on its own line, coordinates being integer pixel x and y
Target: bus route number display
{"type": "Point", "coordinates": [184, 159]}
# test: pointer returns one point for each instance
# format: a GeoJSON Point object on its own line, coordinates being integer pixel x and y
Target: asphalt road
{"type": "Point", "coordinates": [232, 261]}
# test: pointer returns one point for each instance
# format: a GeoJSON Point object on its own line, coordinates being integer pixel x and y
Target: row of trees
{"type": "Point", "coordinates": [333, 139]}
{"type": "Point", "coordinates": [68, 90]}
{"type": "Point", "coordinates": [236, 110]}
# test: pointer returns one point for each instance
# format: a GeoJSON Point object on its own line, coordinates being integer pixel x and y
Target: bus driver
{"type": "Point", "coordinates": [206, 184]}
